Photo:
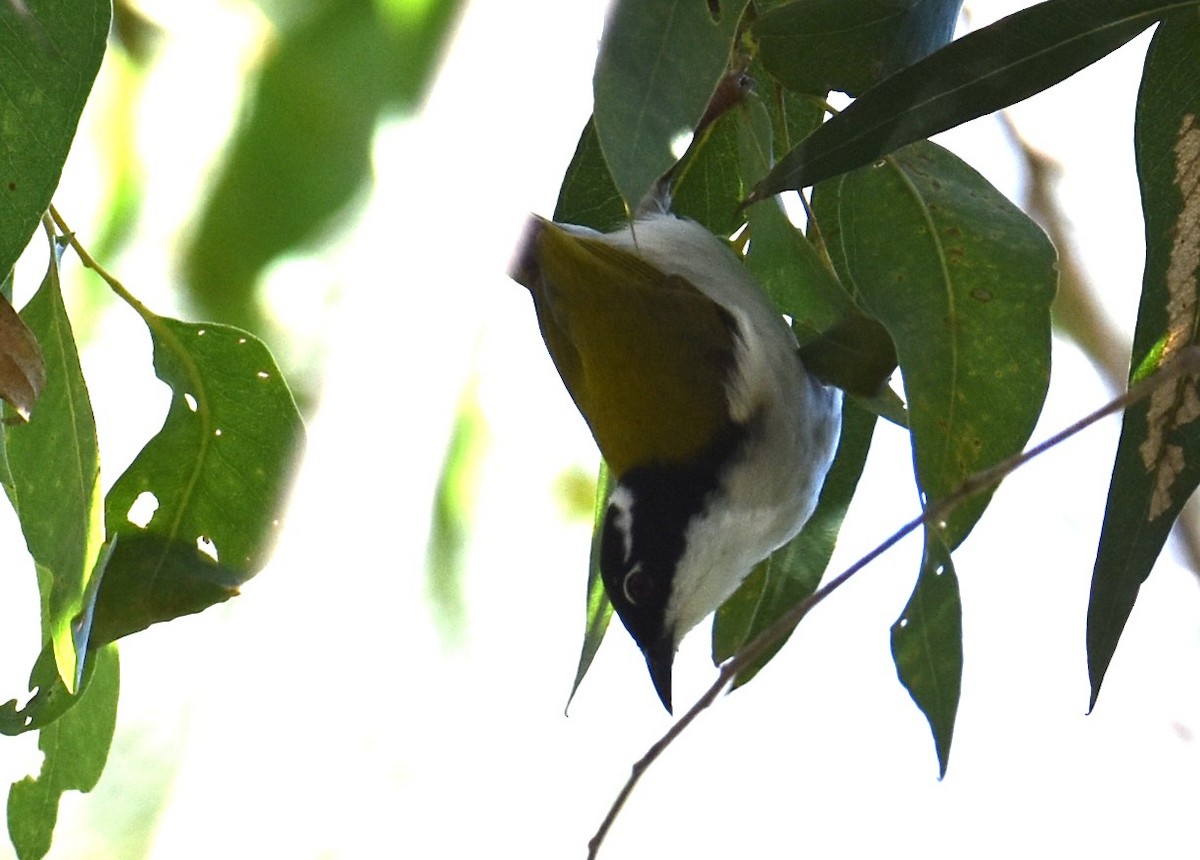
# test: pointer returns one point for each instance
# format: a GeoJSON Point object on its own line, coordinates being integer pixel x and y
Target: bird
{"type": "Point", "coordinates": [716, 436]}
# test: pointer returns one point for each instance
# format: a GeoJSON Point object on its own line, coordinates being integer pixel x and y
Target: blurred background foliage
{"type": "Point", "coordinates": [299, 157]}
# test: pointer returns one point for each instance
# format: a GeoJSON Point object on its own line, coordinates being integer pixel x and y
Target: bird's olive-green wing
{"type": "Point", "coordinates": [645, 355]}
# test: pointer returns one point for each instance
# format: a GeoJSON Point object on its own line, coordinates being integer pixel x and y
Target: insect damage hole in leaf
{"type": "Point", "coordinates": [1176, 405]}
{"type": "Point", "coordinates": [143, 509]}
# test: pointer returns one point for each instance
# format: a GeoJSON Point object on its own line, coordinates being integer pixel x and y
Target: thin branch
{"type": "Point", "coordinates": [1186, 361]}
{"type": "Point", "coordinates": [88, 261]}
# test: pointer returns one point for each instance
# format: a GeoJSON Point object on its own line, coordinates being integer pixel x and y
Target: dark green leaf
{"type": "Point", "coordinates": [75, 748]}
{"type": "Point", "coordinates": [588, 196]}
{"type": "Point", "coordinates": [927, 645]}
{"type": "Point", "coordinates": [982, 72]}
{"type": "Point", "coordinates": [856, 354]}
{"type": "Point", "coordinates": [780, 256]}
{"type": "Point", "coordinates": [660, 61]}
{"type": "Point", "coordinates": [1158, 457]}
{"type": "Point", "coordinates": [793, 572]}
{"type": "Point", "coordinates": [216, 478]}
{"type": "Point", "coordinates": [708, 185]}
{"type": "Point", "coordinates": [849, 45]}
{"type": "Point", "coordinates": [50, 51]}
{"type": "Point", "coordinates": [963, 281]}
{"type": "Point", "coordinates": [54, 462]}
{"type": "Point", "coordinates": [599, 609]}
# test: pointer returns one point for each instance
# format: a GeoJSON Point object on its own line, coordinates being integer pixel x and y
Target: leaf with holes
{"type": "Point", "coordinates": [75, 749]}
{"type": "Point", "coordinates": [197, 512]}
{"type": "Point", "coordinates": [1158, 457]}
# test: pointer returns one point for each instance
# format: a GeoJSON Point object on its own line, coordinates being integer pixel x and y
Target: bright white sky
{"type": "Point", "coordinates": [321, 715]}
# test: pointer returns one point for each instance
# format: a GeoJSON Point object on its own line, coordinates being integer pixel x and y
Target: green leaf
{"type": "Point", "coordinates": [75, 748]}
{"type": "Point", "coordinates": [50, 700]}
{"type": "Point", "coordinates": [1158, 457]}
{"type": "Point", "coordinates": [963, 281]}
{"type": "Point", "coordinates": [794, 571]}
{"type": "Point", "coordinates": [783, 260]}
{"type": "Point", "coordinates": [927, 645]}
{"type": "Point", "coordinates": [850, 45]}
{"type": "Point", "coordinates": [50, 51]}
{"type": "Point", "coordinates": [588, 196]}
{"type": "Point", "coordinates": [839, 344]}
{"type": "Point", "coordinates": [659, 62]}
{"type": "Point", "coordinates": [453, 512]}
{"type": "Point", "coordinates": [54, 463]}
{"type": "Point", "coordinates": [216, 478]}
{"type": "Point", "coordinates": [982, 72]}
{"type": "Point", "coordinates": [708, 184]}
{"type": "Point", "coordinates": [300, 155]}
{"type": "Point", "coordinates": [599, 609]}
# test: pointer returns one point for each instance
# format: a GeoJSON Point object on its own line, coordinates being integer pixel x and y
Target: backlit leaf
{"type": "Point", "coordinates": [75, 749]}
{"type": "Point", "coordinates": [54, 464]}
{"type": "Point", "coordinates": [598, 609]}
{"type": "Point", "coordinates": [198, 510]}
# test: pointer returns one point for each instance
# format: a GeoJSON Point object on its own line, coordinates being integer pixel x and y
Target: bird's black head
{"type": "Point", "coordinates": [643, 538]}
{"type": "Point", "coordinates": [637, 565]}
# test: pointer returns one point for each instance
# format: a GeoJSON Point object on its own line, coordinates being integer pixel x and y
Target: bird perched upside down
{"type": "Point", "coordinates": [689, 378]}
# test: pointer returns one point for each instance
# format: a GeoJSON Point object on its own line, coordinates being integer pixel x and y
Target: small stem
{"type": "Point", "coordinates": [88, 261]}
{"type": "Point", "coordinates": [1185, 361]}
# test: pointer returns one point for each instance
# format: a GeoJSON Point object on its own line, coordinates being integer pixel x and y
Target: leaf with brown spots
{"type": "Point", "coordinates": [962, 280]}
{"type": "Point", "coordinates": [1158, 457]}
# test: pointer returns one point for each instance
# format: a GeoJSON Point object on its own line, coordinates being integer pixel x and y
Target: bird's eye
{"type": "Point", "coordinates": [637, 585]}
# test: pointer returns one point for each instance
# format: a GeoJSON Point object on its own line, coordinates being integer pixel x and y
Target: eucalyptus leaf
{"type": "Point", "coordinates": [659, 62]}
{"type": "Point", "coordinates": [984, 71]}
{"type": "Point", "coordinates": [850, 45]}
{"type": "Point", "coordinates": [50, 52]}
{"type": "Point", "coordinates": [963, 281]}
{"type": "Point", "coordinates": [75, 749]}
{"type": "Point", "coordinates": [587, 195]}
{"type": "Point", "coordinates": [1158, 456]}
{"type": "Point", "coordinates": [215, 479]}
{"type": "Point", "coordinates": [598, 608]}
{"type": "Point", "coordinates": [54, 464]}
{"type": "Point", "coordinates": [927, 645]}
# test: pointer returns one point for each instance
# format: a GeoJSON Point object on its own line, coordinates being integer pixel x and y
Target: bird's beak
{"type": "Point", "coordinates": [660, 656]}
